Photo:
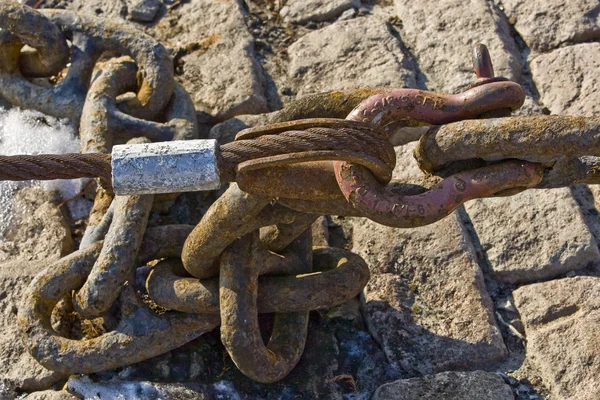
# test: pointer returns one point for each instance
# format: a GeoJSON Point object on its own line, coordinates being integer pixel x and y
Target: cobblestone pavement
{"type": "Point", "coordinates": [498, 301]}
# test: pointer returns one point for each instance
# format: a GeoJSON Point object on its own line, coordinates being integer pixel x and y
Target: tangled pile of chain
{"type": "Point", "coordinates": [252, 251]}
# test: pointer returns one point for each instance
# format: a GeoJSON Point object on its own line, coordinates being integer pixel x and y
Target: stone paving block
{"type": "Point", "coordinates": [37, 236]}
{"type": "Point", "coordinates": [143, 10]}
{"type": "Point", "coordinates": [441, 34]}
{"type": "Point", "coordinates": [454, 386]}
{"type": "Point", "coordinates": [113, 9]}
{"type": "Point", "coordinates": [535, 235]}
{"type": "Point", "coordinates": [426, 302]}
{"type": "Point", "coordinates": [588, 198]}
{"type": "Point", "coordinates": [217, 63]}
{"type": "Point", "coordinates": [562, 325]}
{"type": "Point", "coordinates": [567, 79]}
{"type": "Point", "coordinates": [225, 131]}
{"type": "Point", "coordinates": [301, 11]}
{"type": "Point", "coordinates": [17, 367]}
{"type": "Point", "coordinates": [38, 230]}
{"type": "Point", "coordinates": [361, 52]}
{"type": "Point", "coordinates": [51, 395]}
{"type": "Point", "coordinates": [548, 24]}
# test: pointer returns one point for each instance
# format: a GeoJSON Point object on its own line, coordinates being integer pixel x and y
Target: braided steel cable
{"type": "Point", "coordinates": [363, 143]}
{"type": "Point", "coordinates": [366, 144]}
{"type": "Point", "coordinates": [313, 139]}
{"type": "Point", "coordinates": [55, 166]}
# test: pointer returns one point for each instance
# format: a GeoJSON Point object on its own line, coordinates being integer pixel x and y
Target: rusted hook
{"type": "Point", "coordinates": [376, 202]}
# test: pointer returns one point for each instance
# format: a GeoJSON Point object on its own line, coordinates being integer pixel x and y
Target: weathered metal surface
{"type": "Point", "coordinates": [293, 181]}
{"type": "Point", "coordinates": [241, 265]}
{"type": "Point", "coordinates": [572, 171]}
{"type": "Point", "coordinates": [152, 58]}
{"type": "Point", "coordinates": [90, 37]}
{"type": "Point", "coordinates": [169, 285]}
{"type": "Point", "coordinates": [564, 145]}
{"type": "Point", "coordinates": [382, 206]}
{"type": "Point", "coordinates": [435, 108]}
{"type": "Point", "coordinates": [335, 104]}
{"type": "Point", "coordinates": [103, 122]}
{"type": "Point", "coordinates": [482, 62]}
{"type": "Point", "coordinates": [227, 219]}
{"type": "Point", "coordinates": [97, 229]}
{"type": "Point", "coordinates": [53, 53]}
{"type": "Point", "coordinates": [180, 166]}
{"type": "Point", "coordinates": [489, 94]}
{"type": "Point", "coordinates": [100, 270]}
{"type": "Point", "coordinates": [116, 262]}
{"type": "Point", "coordinates": [100, 218]}
{"type": "Point", "coordinates": [140, 334]}
{"type": "Point", "coordinates": [309, 140]}
{"type": "Point", "coordinates": [226, 243]}
{"type": "Point", "coordinates": [538, 138]}
{"type": "Point", "coordinates": [53, 166]}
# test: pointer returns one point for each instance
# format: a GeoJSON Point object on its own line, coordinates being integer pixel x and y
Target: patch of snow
{"type": "Point", "coordinates": [31, 132]}
{"type": "Point", "coordinates": [141, 390]}
{"type": "Point", "coordinates": [6, 392]}
{"type": "Point", "coordinates": [224, 390]}
{"type": "Point", "coordinates": [132, 390]}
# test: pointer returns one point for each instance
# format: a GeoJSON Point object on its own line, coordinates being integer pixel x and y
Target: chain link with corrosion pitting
{"type": "Point", "coordinates": [251, 252]}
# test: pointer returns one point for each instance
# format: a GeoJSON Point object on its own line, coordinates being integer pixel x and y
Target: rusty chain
{"type": "Point", "coordinates": [97, 280]}
{"type": "Point", "coordinates": [251, 252]}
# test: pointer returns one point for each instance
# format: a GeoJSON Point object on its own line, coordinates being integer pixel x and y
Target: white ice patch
{"type": "Point", "coordinates": [224, 390]}
{"type": "Point", "coordinates": [31, 132]}
{"type": "Point", "coordinates": [142, 390]}
{"type": "Point", "coordinates": [90, 390]}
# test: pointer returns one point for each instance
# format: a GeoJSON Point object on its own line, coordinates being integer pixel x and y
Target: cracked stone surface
{"type": "Point", "coordinates": [144, 10]}
{"type": "Point", "coordinates": [562, 324]}
{"type": "Point", "coordinates": [441, 35]}
{"type": "Point", "coordinates": [567, 79]}
{"type": "Point", "coordinates": [453, 385]}
{"type": "Point", "coordinates": [217, 65]}
{"type": "Point", "coordinates": [532, 236]}
{"type": "Point", "coordinates": [101, 8]}
{"type": "Point", "coordinates": [548, 24]}
{"type": "Point", "coordinates": [426, 302]}
{"type": "Point", "coordinates": [300, 11]}
{"type": "Point", "coordinates": [51, 395]}
{"type": "Point", "coordinates": [17, 367]}
{"type": "Point", "coordinates": [361, 52]}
